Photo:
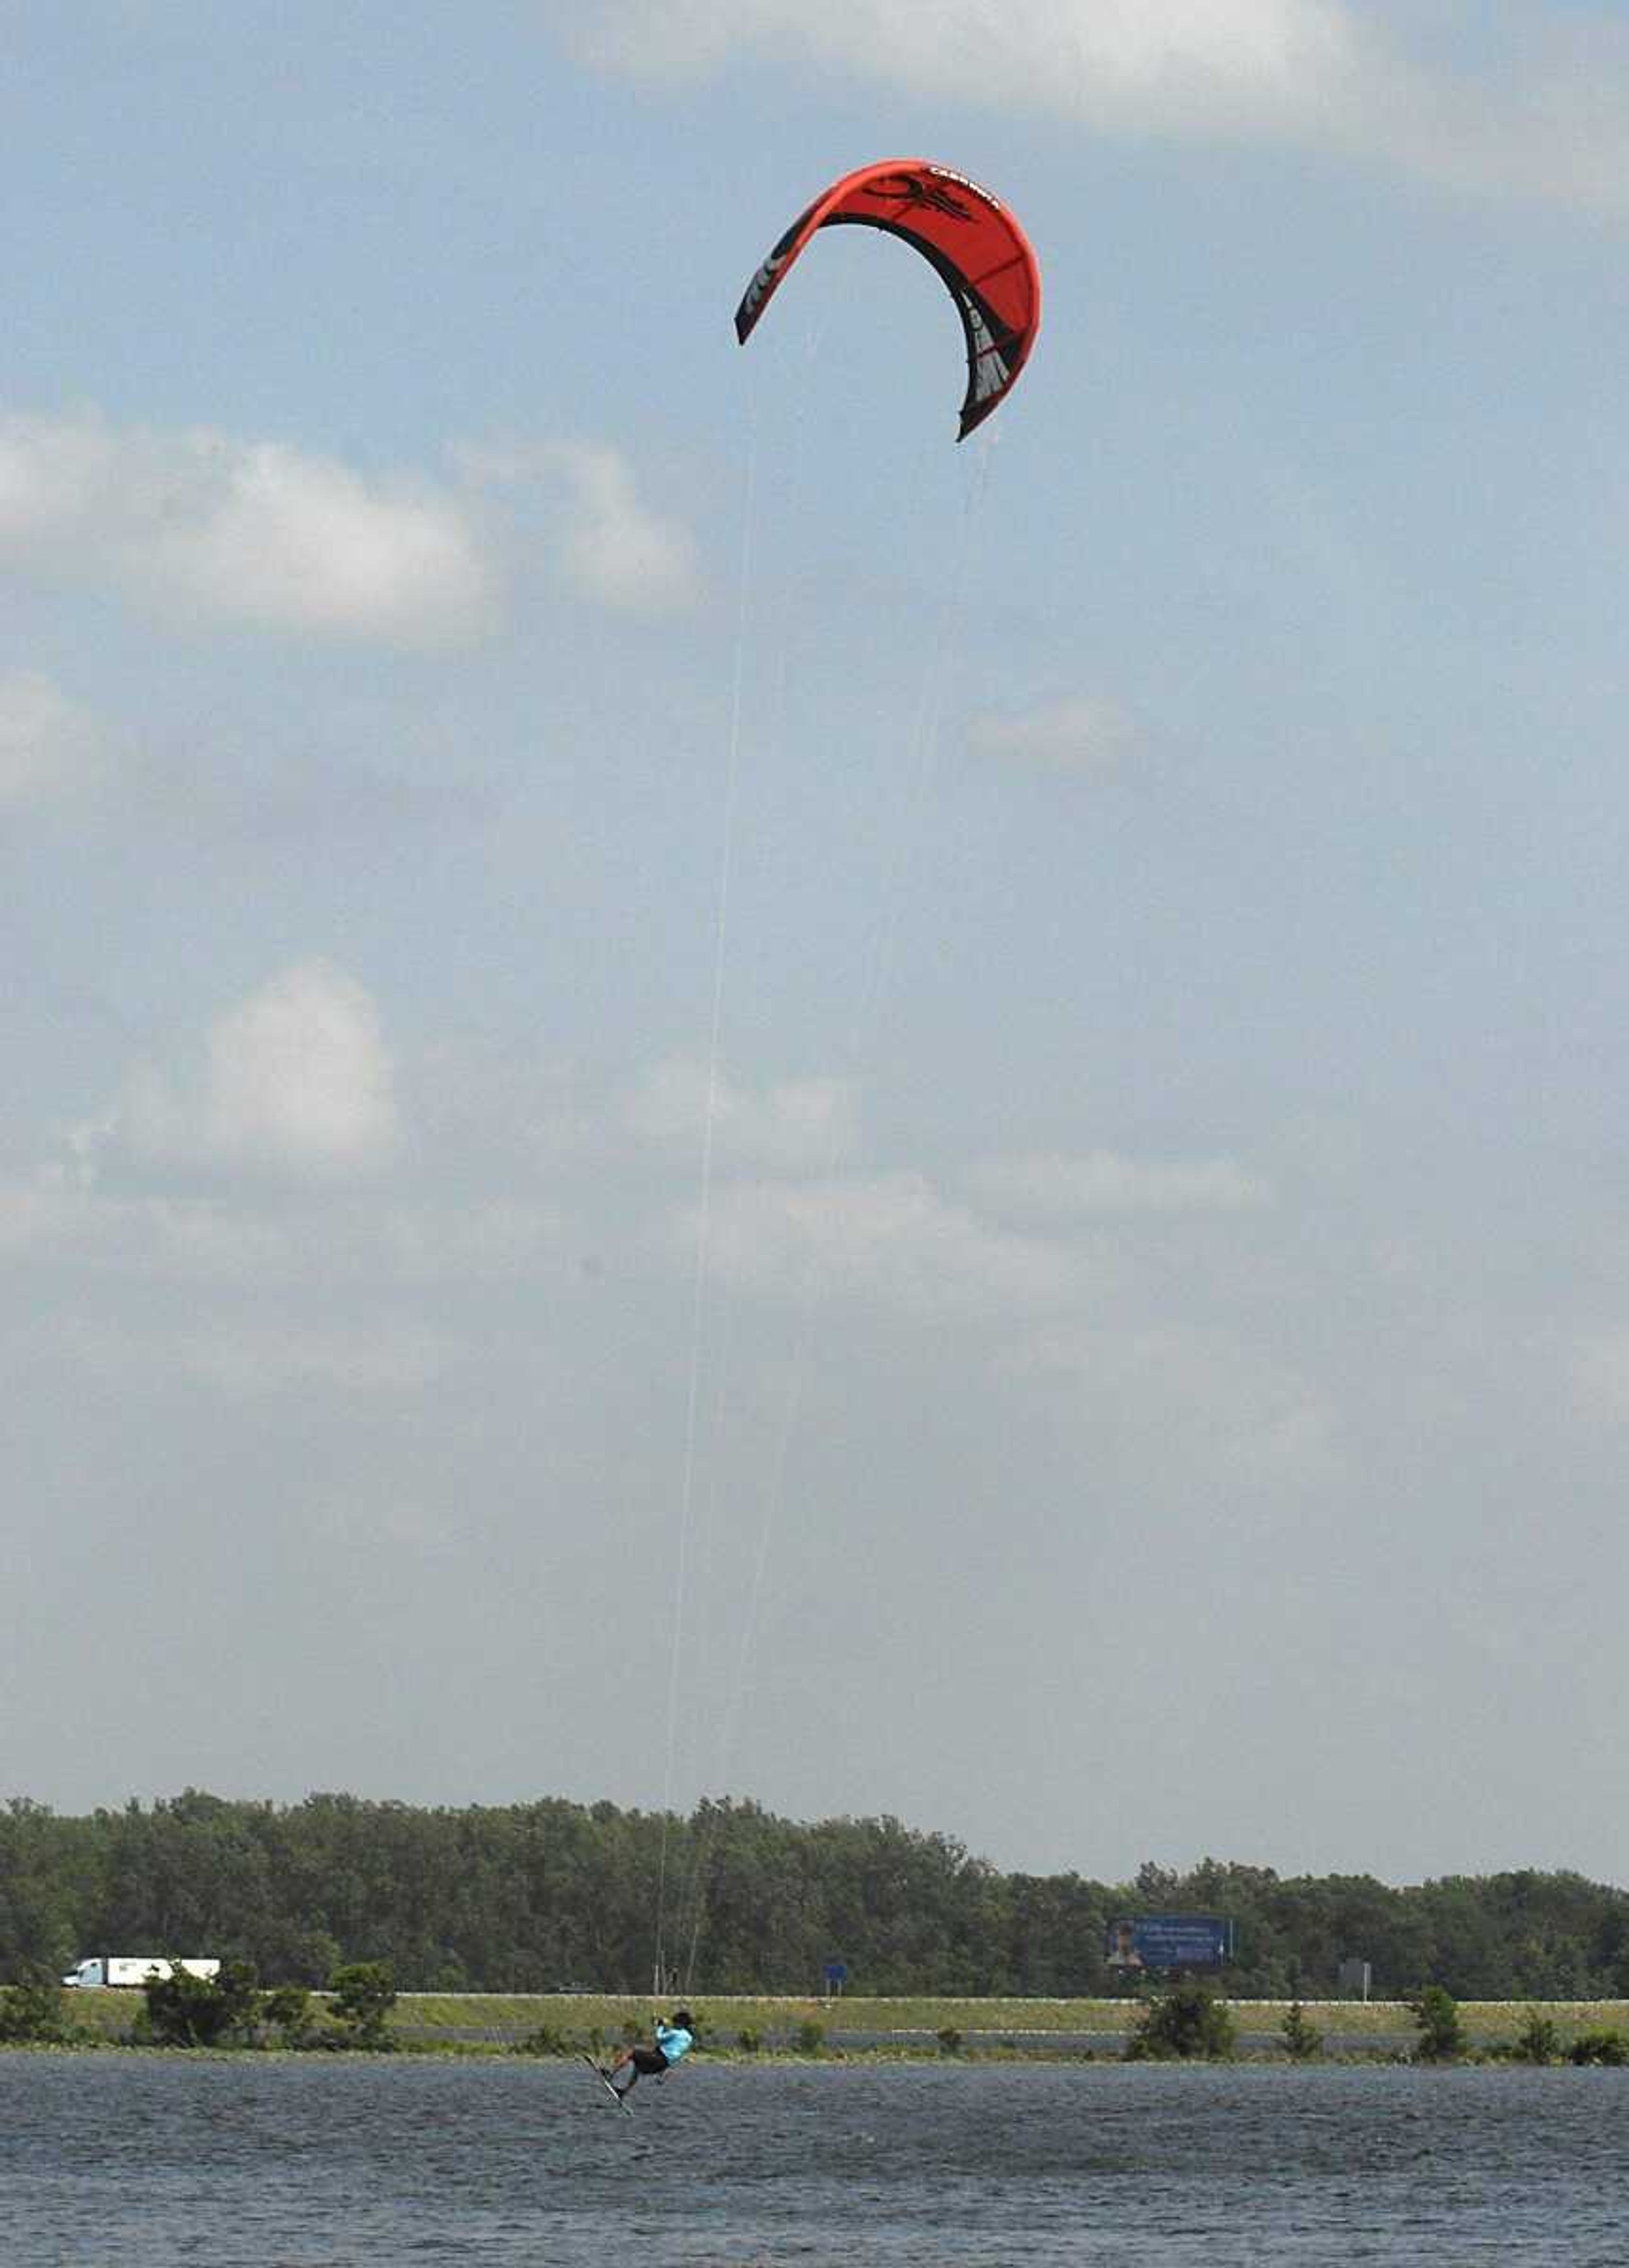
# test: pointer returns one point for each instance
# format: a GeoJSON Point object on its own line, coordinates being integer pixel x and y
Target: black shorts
{"type": "Point", "coordinates": [648, 2061]}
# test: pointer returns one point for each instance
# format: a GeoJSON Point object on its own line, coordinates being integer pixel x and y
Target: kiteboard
{"type": "Point", "coordinates": [615, 2092]}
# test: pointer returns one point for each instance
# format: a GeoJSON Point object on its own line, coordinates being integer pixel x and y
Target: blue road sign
{"type": "Point", "coordinates": [1169, 1942]}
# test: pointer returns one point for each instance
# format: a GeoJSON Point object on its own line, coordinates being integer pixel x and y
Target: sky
{"type": "Point", "coordinates": [703, 1095]}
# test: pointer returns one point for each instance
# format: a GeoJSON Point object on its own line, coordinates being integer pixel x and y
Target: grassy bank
{"type": "Point", "coordinates": [779, 2020]}
{"type": "Point", "coordinates": [780, 2024]}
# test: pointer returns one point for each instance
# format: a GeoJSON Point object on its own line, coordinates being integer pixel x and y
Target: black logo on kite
{"type": "Point", "coordinates": [914, 193]}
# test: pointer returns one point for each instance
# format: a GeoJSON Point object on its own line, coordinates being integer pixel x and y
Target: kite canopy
{"type": "Point", "coordinates": [971, 238]}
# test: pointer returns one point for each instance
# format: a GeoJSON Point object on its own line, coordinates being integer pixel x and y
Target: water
{"type": "Point", "coordinates": [150, 2162]}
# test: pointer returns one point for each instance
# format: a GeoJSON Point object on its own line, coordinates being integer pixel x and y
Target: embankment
{"type": "Point", "coordinates": [855, 2024]}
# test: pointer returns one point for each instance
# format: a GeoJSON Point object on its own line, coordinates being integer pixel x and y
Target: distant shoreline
{"type": "Point", "coordinates": [875, 2029]}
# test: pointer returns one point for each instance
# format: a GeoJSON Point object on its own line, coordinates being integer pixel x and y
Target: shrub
{"type": "Point", "coordinates": [1187, 2020]}
{"type": "Point", "coordinates": [361, 1996]}
{"type": "Point", "coordinates": [31, 2011]}
{"type": "Point", "coordinates": [1599, 2047]}
{"type": "Point", "coordinates": [1441, 2035]}
{"type": "Point", "coordinates": [749, 2042]}
{"type": "Point", "coordinates": [287, 2009]}
{"type": "Point", "coordinates": [949, 2040]}
{"type": "Point", "coordinates": [1538, 2041]}
{"type": "Point", "coordinates": [548, 2039]}
{"type": "Point", "coordinates": [1302, 2039]}
{"type": "Point", "coordinates": [809, 2039]}
{"type": "Point", "coordinates": [184, 2011]}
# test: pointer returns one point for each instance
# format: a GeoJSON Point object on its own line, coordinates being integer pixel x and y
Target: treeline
{"type": "Point", "coordinates": [538, 1897]}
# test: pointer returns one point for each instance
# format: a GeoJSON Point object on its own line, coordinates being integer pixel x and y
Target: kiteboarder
{"type": "Point", "coordinates": [674, 2039]}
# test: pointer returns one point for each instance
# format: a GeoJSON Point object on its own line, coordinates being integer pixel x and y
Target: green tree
{"type": "Point", "coordinates": [1441, 2035]}
{"type": "Point", "coordinates": [363, 1995]}
{"type": "Point", "coordinates": [526, 1896]}
{"type": "Point", "coordinates": [1186, 2020]}
{"type": "Point", "coordinates": [184, 2011]}
{"type": "Point", "coordinates": [286, 2008]}
{"type": "Point", "coordinates": [33, 2011]}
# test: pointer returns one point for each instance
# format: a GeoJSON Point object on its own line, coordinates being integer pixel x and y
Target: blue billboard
{"type": "Point", "coordinates": [1169, 1942]}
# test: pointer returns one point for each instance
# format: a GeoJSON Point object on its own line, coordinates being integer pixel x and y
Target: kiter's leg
{"type": "Point", "coordinates": [637, 2061]}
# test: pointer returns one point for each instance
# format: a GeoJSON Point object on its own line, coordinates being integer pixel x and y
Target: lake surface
{"type": "Point", "coordinates": [149, 2162]}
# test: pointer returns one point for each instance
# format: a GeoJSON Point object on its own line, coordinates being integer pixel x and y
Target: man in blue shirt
{"type": "Point", "coordinates": [674, 2039]}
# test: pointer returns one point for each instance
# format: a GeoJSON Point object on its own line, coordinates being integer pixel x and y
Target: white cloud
{"type": "Point", "coordinates": [393, 1523]}
{"type": "Point", "coordinates": [609, 546]}
{"type": "Point", "coordinates": [1082, 736]}
{"type": "Point", "coordinates": [254, 1360]}
{"type": "Point", "coordinates": [1101, 1182]}
{"type": "Point", "coordinates": [1600, 1366]}
{"type": "Point", "coordinates": [336, 1240]}
{"type": "Point", "coordinates": [186, 1240]}
{"type": "Point", "coordinates": [1156, 57]}
{"type": "Point", "coordinates": [890, 1241]}
{"type": "Point", "coordinates": [203, 527]}
{"type": "Point", "coordinates": [1536, 103]}
{"type": "Point", "coordinates": [806, 1126]}
{"type": "Point", "coordinates": [478, 1243]}
{"type": "Point", "coordinates": [252, 1357]}
{"type": "Point", "coordinates": [616, 550]}
{"type": "Point", "coordinates": [48, 743]}
{"type": "Point", "coordinates": [297, 1078]}
{"type": "Point", "coordinates": [1199, 1398]}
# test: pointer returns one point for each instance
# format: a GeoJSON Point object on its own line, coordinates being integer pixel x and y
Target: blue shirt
{"type": "Point", "coordinates": [673, 2040]}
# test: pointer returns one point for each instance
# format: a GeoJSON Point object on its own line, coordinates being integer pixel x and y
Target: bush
{"type": "Point", "coordinates": [361, 1998]}
{"type": "Point", "coordinates": [750, 2042]}
{"type": "Point", "coordinates": [33, 2011]}
{"type": "Point", "coordinates": [548, 2039]}
{"type": "Point", "coordinates": [287, 2010]}
{"type": "Point", "coordinates": [1185, 2021]}
{"type": "Point", "coordinates": [1599, 2047]}
{"type": "Point", "coordinates": [1538, 2041]}
{"type": "Point", "coordinates": [809, 2039]}
{"type": "Point", "coordinates": [949, 2040]}
{"type": "Point", "coordinates": [1441, 2035]}
{"type": "Point", "coordinates": [1302, 2039]}
{"type": "Point", "coordinates": [184, 2011]}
